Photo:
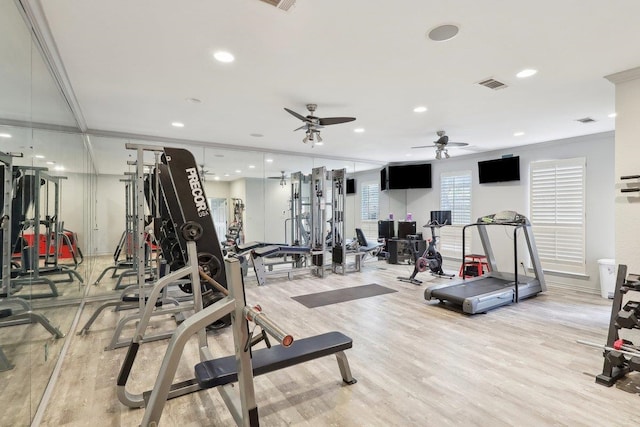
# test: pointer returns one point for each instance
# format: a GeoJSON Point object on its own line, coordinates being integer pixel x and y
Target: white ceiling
{"type": "Point", "coordinates": [132, 65]}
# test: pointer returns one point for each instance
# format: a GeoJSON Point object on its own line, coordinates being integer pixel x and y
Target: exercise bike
{"type": "Point", "coordinates": [430, 259]}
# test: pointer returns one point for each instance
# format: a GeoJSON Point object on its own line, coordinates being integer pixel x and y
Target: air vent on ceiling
{"type": "Point", "coordinates": [281, 4]}
{"type": "Point", "coordinates": [586, 120]}
{"type": "Point", "coordinates": [492, 84]}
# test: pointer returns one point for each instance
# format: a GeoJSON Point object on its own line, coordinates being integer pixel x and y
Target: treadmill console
{"type": "Point", "coordinates": [504, 217]}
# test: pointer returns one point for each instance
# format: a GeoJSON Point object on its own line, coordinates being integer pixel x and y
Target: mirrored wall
{"type": "Point", "coordinates": [47, 177]}
{"type": "Point", "coordinates": [69, 205]}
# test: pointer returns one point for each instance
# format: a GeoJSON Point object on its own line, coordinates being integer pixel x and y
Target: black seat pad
{"type": "Point", "coordinates": [213, 373]}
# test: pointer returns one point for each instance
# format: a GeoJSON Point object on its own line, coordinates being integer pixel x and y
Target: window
{"type": "Point", "coordinates": [455, 196]}
{"type": "Point", "coordinates": [369, 202]}
{"type": "Point", "coordinates": [369, 209]}
{"type": "Point", "coordinates": [557, 205]}
{"type": "Point", "coordinates": [218, 208]}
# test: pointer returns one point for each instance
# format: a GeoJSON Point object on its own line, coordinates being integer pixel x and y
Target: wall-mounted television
{"type": "Point", "coordinates": [383, 179]}
{"type": "Point", "coordinates": [403, 177]}
{"type": "Point", "coordinates": [499, 170]}
{"type": "Point", "coordinates": [351, 186]}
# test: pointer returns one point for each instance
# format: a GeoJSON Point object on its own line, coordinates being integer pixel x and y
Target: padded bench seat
{"type": "Point", "coordinates": [266, 251]}
{"type": "Point", "coordinates": [249, 246]}
{"type": "Point", "coordinates": [217, 372]}
{"type": "Point", "coordinates": [279, 249]}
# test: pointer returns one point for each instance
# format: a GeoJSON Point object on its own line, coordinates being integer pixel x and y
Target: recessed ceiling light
{"type": "Point", "coordinates": [408, 154]}
{"type": "Point", "coordinates": [194, 100]}
{"type": "Point", "coordinates": [39, 156]}
{"type": "Point", "coordinates": [319, 143]}
{"type": "Point", "coordinates": [51, 163]}
{"type": "Point", "coordinates": [358, 130]}
{"type": "Point", "coordinates": [5, 135]}
{"type": "Point", "coordinates": [223, 56]}
{"type": "Point", "coordinates": [518, 134]}
{"type": "Point", "coordinates": [268, 160]}
{"type": "Point", "coordinates": [256, 135]}
{"type": "Point", "coordinates": [216, 178]}
{"type": "Point", "coordinates": [612, 115]}
{"type": "Point", "coordinates": [443, 33]}
{"type": "Point", "coordinates": [238, 171]}
{"type": "Point", "coordinates": [252, 166]}
{"type": "Point", "coordinates": [177, 125]}
{"type": "Point", "coordinates": [226, 174]}
{"type": "Point", "coordinates": [58, 168]}
{"type": "Point", "coordinates": [526, 73]}
{"type": "Point", "coordinates": [420, 109]}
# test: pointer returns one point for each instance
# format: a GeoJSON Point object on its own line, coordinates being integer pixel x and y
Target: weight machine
{"type": "Point", "coordinates": [28, 200]}
{"type": "Point", "coordinates": [300, 210]}
{"type": "Point", "coordinates": [235, 232]}
{"type": "Point", "coordinates": [203, 260]}
{"type": "Point", "coordinates": [13, 311]}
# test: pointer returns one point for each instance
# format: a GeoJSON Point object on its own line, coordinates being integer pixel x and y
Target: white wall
{"type": "Point", "coordinates": [627, 155]}
{"type": "Point", "coordinates": [110, 213]}
{"type": "Point", "coordinates": [254, 212]}
{"type": "Point", "coordinates": [598, 150]}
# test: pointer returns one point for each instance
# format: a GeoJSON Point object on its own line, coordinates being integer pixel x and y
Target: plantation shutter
{"type": "Point", "coordinates": [455, 195]}
{"type": "Point", "coordinates": [557, 205]}
{"type": "Point", "coordinates": [369, 209]}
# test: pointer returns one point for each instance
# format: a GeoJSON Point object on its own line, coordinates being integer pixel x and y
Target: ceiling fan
{"type": "Point", "coordinates": [313, 124]}
{"type": "Point", "coordinates": [441, 145]}
{"type": "Point", "coordinates": [204, 172]}
{"type": "Point", "coordinates": [282, 178]}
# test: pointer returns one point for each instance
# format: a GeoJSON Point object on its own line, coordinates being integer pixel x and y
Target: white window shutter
{"type": "Point", "coordinates": [557, 213]}
{"type": "Point", "coordinates": [455, 196]}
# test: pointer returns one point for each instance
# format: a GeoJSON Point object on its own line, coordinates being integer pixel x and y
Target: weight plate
{"type": "Point", "coordinates": [191, 231]}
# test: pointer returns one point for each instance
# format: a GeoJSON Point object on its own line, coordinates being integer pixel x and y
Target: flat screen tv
{"type": "Point", "coordinates": [383, 179]}
{"type": "Point", "coordinates": [499, 170]}
{"type": "Point", "coordinates": [403, 177]}
{"type": "Point", "coordinates": [351, 186]}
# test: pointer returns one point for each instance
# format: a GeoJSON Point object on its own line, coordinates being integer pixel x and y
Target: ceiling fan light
{"type": "Point", "coordinates": [306, 139]}
{"type": "Point", "coordinates": [438, 155]}
{"type": "Point", "coordinates": [446, 154]}
{"type": "Point", "coordinates": [319, 138]}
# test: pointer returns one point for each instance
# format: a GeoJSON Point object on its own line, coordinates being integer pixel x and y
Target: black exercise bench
{"type": "Point", "coordinates": [222, 371]}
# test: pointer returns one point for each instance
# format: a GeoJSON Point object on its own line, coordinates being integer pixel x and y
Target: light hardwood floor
{"type": "Point", "coordinates": [416, 362]}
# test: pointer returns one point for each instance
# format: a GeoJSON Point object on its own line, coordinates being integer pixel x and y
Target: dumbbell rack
{"type": "Point", "coordinates": [617, 360]}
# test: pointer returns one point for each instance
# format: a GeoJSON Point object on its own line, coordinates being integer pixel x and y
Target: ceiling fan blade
{"type": "Point", "coordinates": [335, 120]}
{"type": "Point", "coordinates": [425, 146]}
{"type": "Point", "coordinates": [299, 116]}
{"type": "Point", "coordinates": [457, 144]}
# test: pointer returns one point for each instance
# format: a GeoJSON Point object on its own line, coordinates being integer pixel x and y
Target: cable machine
{"type": "Point", "coordinates": [300, 206]}
{"type": "Point", "coordinates": [319, 218]}
{"type": "Point", "coordinates": [13, 311]}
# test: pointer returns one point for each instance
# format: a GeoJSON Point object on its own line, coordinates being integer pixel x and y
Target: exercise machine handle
{"type": "Point", "coordinates": [254, 314]}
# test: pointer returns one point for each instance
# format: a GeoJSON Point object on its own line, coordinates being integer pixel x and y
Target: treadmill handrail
{"type": "Point", "coordinates": [517, 226]}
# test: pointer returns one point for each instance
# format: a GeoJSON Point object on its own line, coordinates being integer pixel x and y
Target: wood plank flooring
{"type": "Point", "coordinates": [417, 363]}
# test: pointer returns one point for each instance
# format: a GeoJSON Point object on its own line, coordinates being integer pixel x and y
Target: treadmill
{"type": "Point", "coordinates": [495, 289]}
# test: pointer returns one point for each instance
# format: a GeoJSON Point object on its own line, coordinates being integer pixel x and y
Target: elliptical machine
{"type": "Point", "coordinates": [430, 259]}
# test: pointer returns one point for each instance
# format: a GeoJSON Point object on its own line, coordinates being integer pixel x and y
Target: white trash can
{"type": "Point", "coordinates": [607, 277]}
